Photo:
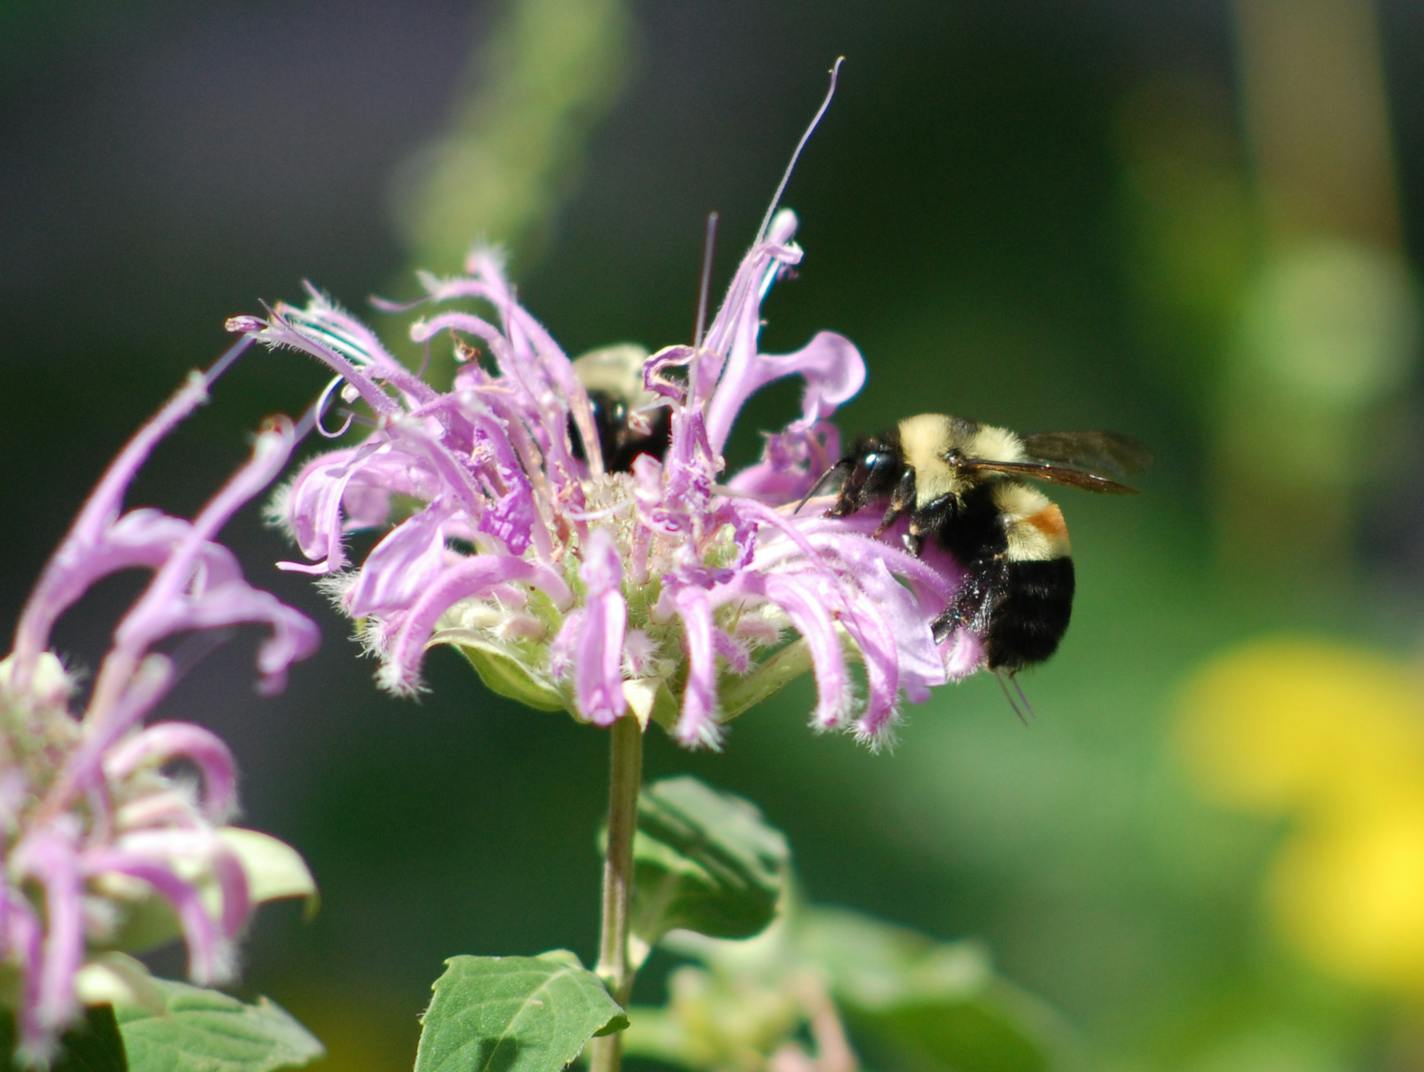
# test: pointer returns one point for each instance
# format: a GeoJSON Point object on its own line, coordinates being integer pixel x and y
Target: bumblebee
{"type": "Point", "coordinates": [625, 413]}
{"type": "Point", "coordinates": [963, 484]}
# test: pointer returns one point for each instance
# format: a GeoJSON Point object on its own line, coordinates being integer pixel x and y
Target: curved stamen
{"type": "Point", "coordinates": [318, 411]}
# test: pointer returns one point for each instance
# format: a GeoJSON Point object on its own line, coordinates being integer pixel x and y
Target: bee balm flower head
{"type": "Point", "coordinates": [676, 591]}
{"type": "Point", "coordinates": [93, 832]}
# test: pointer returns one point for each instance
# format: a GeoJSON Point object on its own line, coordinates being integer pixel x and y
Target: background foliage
{"type": "Point", "coordinates": [1196, 223]}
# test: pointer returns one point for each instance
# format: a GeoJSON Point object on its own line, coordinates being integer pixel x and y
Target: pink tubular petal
{"type": "Point", "coordinates": [49, 859]}
{"type": "Point", "coordinates": [598, 680]}
{"type": "Point", "coordinates": [433, 453]}
{"type": "Point", "coordinates": [292, 635]}
{"type": "Point", "coordinates": [933, 571]}
{"type": "Point", "coordinates": [82, 773]}
{"type": "Point", "coordinates": [697, 724]}
{"type": "Point", "coordinates": [471, 577]}
{"type": "Point", "coordinates": [177, 598]}
{"type": "Point", "coordinates": [791, 462]}
{"type": "Point", "coordinates": [803, 605]}
{"type": "Point", "coordinates": [208, 954]}
{"type": "Point", "coordinates": [963, 654]}
{"type": "Point", "coordinates": [24, 933]}
{"type": "Point", "coordinates": [310, 507]}
{"type": "Point", "coordinates": [401, 565]}
{"type": "Point", "coordinates": [731, 337]}
{"type": "Point", "coordinates": [917, 664]}
{"type": "Point", "coordinates": [564, 647]}
{"type": "Point", "coordinates": [236, 894]}
{"type": "Point", "coordinates": [164, 742]}
{"type": "Point", "coordinates": [142, 538]}
{"type": "Point", "coordinates": [831, 365]}
{"type": "Point", "coordinates": [145, 622]}
{"type": "Point", "coordinates": [528, 337]}
{"type": "Point", "coordinates": [56, 588]}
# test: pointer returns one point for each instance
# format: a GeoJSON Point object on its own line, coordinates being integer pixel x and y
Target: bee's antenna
{"type": "Point", "coordinates": [1009, 696]}
{"type": "Point", "coordinates": [709, 243]}
{"type": "Point", "coordinates": [786, 175]}
{"type": "Point", "coordinates": [820, 483]}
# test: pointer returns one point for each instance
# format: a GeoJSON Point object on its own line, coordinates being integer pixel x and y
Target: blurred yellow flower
{"type": "Point", "coordinates": [1331, 737]}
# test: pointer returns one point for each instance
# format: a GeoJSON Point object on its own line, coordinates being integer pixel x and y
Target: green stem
{"type": "Point", "coordinates": [625, 775]}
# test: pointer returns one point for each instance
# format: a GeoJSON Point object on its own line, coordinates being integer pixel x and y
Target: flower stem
{"type": "Point", "coordinates": [625, 775]}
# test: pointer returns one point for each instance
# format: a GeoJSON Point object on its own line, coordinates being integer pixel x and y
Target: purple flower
{"type": "Point", "coordinates": [94, 834]}
{"type": "Point", "coordinates": [672, 591]}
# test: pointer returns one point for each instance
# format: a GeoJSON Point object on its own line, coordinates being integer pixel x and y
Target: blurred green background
{"type": "Point", "coordinates": [1192, 222]}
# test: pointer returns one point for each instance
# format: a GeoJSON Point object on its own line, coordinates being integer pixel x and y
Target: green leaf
{"type": "Point", "coordinates": [92, 1045]}
{"type": "Point", "coordinates": [207, 1031]}
{"type": "Point", "coordinates": [506, 676]}
{"type": "Point", "coordinates": [514, 1014]}
{"type": "Point", "coordinates": [704, 861]}
{"type": "Point", "coordinates": [929, 1004]}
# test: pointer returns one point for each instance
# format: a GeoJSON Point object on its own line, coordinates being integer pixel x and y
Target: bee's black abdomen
{"type": "Point", "coordinates": [1032, 613]}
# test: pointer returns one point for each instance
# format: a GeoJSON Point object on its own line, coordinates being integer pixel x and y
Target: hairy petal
{"type": "Point", "coordinates": [209, 957]}
{"type": "Point", "coordinates": [964, 654]}
{"type": "Point", "coordinates": [62, 580]}
{"type": "Point", "coordinates": [179, 598]}
{"type": "Point", "coordinates": [402, 564]}
{"type": "Point", "coordinates": [697, 724]}
{"type": "Point", "coordinates": [466, 579]}
{"type": "Point", "coordinates": [830, 363]}
{"type": "Point", "coordinates": [49, 858]}
{"type": "Point", "coordinates": [598, 681]}
{"type": "Point", "coordinates": [164, 742]}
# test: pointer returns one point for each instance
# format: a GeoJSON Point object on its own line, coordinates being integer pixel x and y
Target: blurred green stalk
{"type": "Point", "coordinates": [547, 75]}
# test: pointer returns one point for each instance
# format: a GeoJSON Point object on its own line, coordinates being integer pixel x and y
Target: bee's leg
{"type": "Point", "coordinates": [985, 583]}
{"type": "Point", "coordinates": [892, 515]}
{"type": "Point", "coordinates": [901, 499]}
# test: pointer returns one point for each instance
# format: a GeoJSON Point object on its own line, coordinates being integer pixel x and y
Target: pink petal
{"type": "Point", "coordinates": [598, 680]}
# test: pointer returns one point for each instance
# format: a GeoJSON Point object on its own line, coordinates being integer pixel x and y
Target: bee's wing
{"type": "Point", "coordinates": [1051, 472]}
{"type": "Point", "coordinates": [1092, 452]}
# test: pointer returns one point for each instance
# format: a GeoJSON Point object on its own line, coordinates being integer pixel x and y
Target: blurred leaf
{"type": "Point", "coordinates": [716, 1019]}
{"type": "Point", "coordinates": [207, 1031]}
{"type": "Point", "coordinates": [519, 1014]}
{"type": "Point", "coordinates": [909, 1002]}
{"type": "Point", "coordinates": [704, 861]}
{"type": "Point", "coordinates": [936, 1005]}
